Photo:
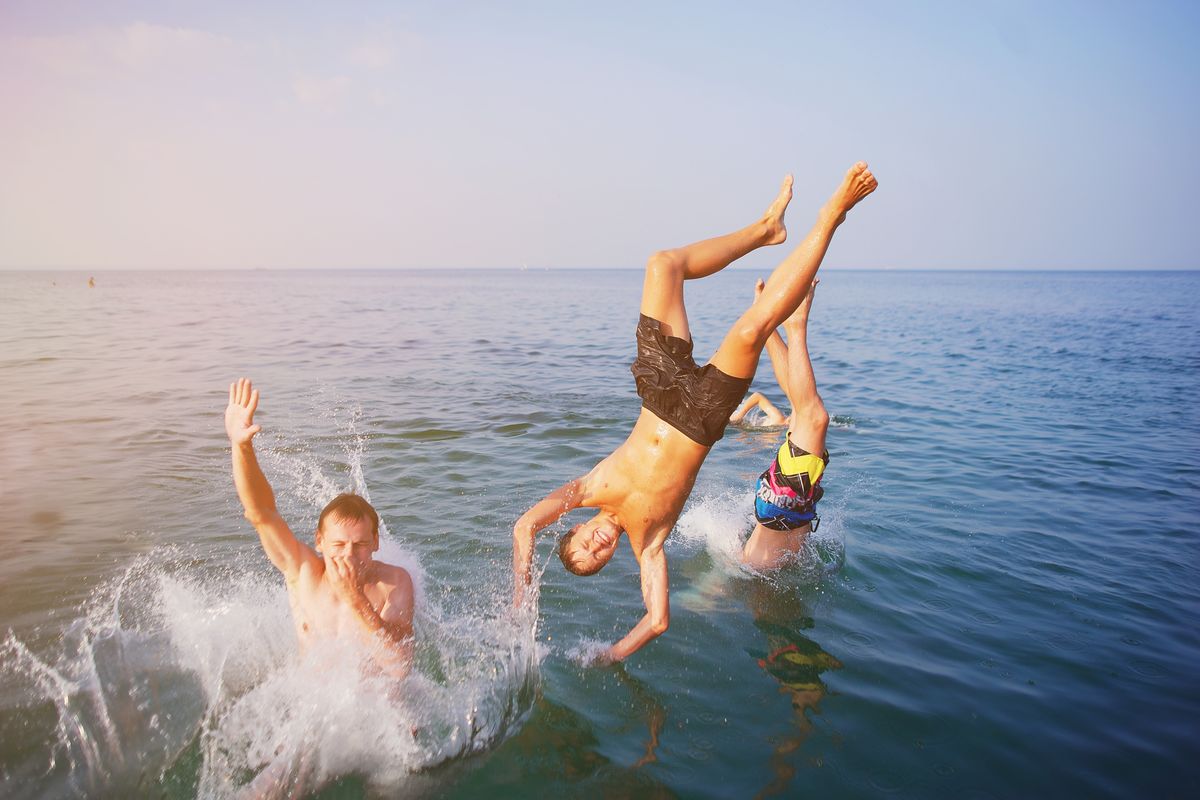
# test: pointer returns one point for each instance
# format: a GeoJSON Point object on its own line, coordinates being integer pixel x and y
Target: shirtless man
{"type": "Point", "coordinates": [337, 592]}
{"type": "Point", "coordinates": [641, 487]}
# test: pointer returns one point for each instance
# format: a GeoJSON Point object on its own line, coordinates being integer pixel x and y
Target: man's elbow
{"type": "Point", "coordinates": [259, 517]}
{"type": "Point", "coordinates": [659, 625]}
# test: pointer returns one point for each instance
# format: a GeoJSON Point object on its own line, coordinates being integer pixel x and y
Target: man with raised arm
{"type": "Point", "coordinates": [640, 488]}
{"type": "Point", "coordinates": [337, 592]}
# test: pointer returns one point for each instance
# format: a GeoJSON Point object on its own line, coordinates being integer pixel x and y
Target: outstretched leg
{"type": "Point", "coordinates": [789, 283]}
{"type": "Point", "coordinates": [810, 420]}
{"type": "Point", "coordinates": [662, 292]}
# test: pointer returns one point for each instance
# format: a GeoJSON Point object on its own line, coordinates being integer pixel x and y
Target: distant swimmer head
{"type": "Point", "coordinates": [586, 548]}
{"type": "Point", "coordinates": [348, 526]}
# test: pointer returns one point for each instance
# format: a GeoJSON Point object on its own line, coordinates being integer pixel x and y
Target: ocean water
{"type": "Point", "coordinates": [1001, 600]}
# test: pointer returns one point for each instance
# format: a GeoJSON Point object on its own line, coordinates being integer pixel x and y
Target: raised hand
{"type": "Point", "coordinates": [239, 414]}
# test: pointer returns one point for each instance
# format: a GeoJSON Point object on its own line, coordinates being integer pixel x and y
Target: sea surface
{"type": "Point", "coordinates": [1001, 601]}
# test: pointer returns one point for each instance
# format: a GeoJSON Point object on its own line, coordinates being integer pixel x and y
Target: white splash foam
{"type": "Point", "coordinates": [587, 652]}
{"type": "Point", "coordinates": [178, 654]}
{"type": "Point", "coordinates": [719, 523]}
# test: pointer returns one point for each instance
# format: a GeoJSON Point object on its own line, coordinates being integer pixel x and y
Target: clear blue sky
{"type": "Point", "coordinates": [213, 134]}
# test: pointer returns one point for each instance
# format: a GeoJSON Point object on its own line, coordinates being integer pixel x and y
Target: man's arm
{"type": "Point", "coordinates": [286, 552]}
{"type": "Point", "coordinates": [545, 512]}
{"type": "Point", "coordinates": [810, 420]}
{"type": "Point", "coordinates": [656, 596]}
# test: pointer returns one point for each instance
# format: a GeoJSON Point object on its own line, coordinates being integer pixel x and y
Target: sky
{"type": "Point", "coordinates": [185, 135]}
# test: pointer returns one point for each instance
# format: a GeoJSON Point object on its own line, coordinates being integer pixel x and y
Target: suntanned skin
{"type": "Point", "coordinates": [641, 487]}
{"type": "Point", "coordinates": [758, 400]}
{"type": "Point", "coordinates": [766, 548]}
{"type": "Point", "coordinates": [340, 594]}
{"type": "Point", "coordinates": [778, 351]}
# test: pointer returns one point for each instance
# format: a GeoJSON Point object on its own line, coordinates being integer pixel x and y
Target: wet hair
{"type": "Point", "coordinates": [349, 507]}
{"type": "Point", "coordinates": [564, 555]}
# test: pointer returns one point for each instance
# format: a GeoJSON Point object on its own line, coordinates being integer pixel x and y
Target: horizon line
{"type": "Point", "coordinates": [527, 268]}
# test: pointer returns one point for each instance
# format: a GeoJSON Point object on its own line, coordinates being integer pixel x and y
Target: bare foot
{"type": "Point", "coordinates": [858, 183]}
{"type": "Point", "coordinates": [776, 231]}
{"type": "Point", "coordinates": [800, 315]}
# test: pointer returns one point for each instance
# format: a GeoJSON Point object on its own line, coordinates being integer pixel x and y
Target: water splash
{"type": "Point", "coordinates": [587, 652]}
{"type": "Point", "coordinates": [720, 523]}
{"type": "Point", "coordinates": [185, 672]}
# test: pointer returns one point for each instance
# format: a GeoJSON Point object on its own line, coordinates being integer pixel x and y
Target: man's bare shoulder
{"type": "Point", "coordinates": [310, 573]}
{"type": "Point", "coordinates": [396, 586]}
{"type": "Point", "coordinates": [392, 577]}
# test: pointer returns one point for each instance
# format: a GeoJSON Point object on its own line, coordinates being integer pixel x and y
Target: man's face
{"type": "Point", "coordinates": [350, 538]}
{"type": "Point", "coordinates": [592, 545]}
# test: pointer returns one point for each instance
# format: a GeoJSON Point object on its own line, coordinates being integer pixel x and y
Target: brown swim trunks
{"type": "Point", "coordinates": [696, 401]}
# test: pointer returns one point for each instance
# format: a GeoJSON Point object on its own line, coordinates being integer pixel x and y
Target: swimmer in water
{"type": "Point", "coordinates": [787, 492]}
{"type": "Point", "coordinates": [640, 488]}
{"type": "Point", "coordinates": [338, 592]}
{"type": "Point", "coordinates": [773, 417]}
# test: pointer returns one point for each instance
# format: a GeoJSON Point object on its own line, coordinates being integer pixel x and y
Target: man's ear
{"type": "Point", "coordinates": [317, 541]}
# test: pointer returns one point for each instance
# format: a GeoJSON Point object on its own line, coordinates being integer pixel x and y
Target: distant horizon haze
{"type": "Point", "coordinates": [1005, 135]}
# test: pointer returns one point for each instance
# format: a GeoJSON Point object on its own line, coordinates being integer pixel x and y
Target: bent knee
{"type": "Point", "coordinates": [814, 416]}
{"type": "Point", "coordinates": [664, 264]}
{"type": "Point", "coordinates": [752, 331]}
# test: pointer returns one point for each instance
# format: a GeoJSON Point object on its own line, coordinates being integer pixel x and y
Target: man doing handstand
{"type": "Point", "coordinates": [640, 488]}
{"type": "Point", "coordinates": [787, 492]}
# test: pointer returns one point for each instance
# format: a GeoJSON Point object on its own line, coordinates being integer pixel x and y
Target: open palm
{"type": "Point", "coordinates": [239, 414]}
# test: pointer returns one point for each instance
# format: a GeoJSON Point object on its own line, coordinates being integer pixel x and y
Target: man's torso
{"type": "Point", "coordinates": [647, 480]}
{"type": "Point", "coordinates": [319, 613]}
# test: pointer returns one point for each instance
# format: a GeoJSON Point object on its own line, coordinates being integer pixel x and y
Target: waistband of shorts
{"type": "Point", "coordinates": [656, 326]}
